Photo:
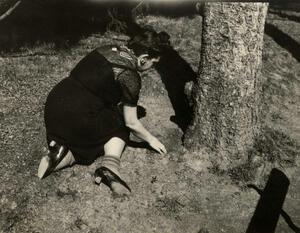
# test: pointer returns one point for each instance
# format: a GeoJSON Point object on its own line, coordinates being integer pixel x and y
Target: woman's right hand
{"type": "Point", "coordinates": [157, 145]}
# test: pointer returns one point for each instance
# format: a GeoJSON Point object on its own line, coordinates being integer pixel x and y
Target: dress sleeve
{"type": "Point", "coordinates": [130, 82]}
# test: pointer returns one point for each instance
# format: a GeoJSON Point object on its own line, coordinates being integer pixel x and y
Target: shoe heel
{"type": "Point", "coordinates": [99, 176]}
{"type": "Point", "coordinates": [98, 180]}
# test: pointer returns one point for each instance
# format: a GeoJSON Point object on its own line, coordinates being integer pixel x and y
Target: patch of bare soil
{"type": "Point", "coordinates": [177, 193]}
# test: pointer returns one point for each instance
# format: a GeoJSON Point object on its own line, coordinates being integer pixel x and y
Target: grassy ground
{"type": "Point", "coordinates": [178, 192]}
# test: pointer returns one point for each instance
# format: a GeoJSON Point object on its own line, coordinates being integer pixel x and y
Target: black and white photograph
{"type": "Point", "coordinates": [149, 116]}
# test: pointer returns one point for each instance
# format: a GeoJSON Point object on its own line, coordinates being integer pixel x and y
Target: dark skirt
{"type": "Point", "coordinates": [82, 121]}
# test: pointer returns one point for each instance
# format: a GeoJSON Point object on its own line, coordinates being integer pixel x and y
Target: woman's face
{"type": "Point", "coordinates": [145, 63]}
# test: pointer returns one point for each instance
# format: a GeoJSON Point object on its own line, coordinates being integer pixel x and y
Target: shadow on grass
{"type": "Point", "coordinates": [171, 9]}
{"type": "Point", "coordinates": [175, 72]}
{"type": "Point", "coordinates": [61, 23]}
{"type": "Point", "coordinates": [64, 23]}
{"type": "Point", "coordinates": [272, 147]}
{"type": "Point", "coordinates": [283, 40]}
{"type": "Point", "coordinates": [285, 15]}
{"type": "Point", "coordinates": [275, 146]}
{"type": "Point", "coordinates": [269, 206]}
{"type": "Point", "coordinates": [142, 145]}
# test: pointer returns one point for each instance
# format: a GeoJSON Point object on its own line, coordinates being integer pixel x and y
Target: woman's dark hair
{"type": "Point", "coordinates": [148, 41]}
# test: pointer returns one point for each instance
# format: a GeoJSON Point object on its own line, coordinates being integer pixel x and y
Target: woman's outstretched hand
{"type": "Point", "coordinates": [133, 123]}
{"type": "Point", "coordinates": [157, 145]}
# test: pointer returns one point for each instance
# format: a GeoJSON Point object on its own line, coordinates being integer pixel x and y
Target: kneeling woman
{"type": "Point", "coordinates": [91, 110]}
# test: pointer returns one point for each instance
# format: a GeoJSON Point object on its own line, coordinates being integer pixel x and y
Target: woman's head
{"type": "Point", "coordinates": [148, 46]}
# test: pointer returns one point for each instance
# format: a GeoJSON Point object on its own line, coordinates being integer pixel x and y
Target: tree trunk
{"type": "Point", "coordinates": [227, 92]}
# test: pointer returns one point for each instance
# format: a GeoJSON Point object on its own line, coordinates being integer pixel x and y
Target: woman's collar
{"type": "Point", "coordinates": [127, 53]}
{"type": "Point", "coordinates": [124, 48]}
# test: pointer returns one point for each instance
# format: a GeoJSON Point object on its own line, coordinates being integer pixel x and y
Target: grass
{"type": "Point", "coordinates": [186, 40]}
{"type": "Point", "coordinates": [28, 75]}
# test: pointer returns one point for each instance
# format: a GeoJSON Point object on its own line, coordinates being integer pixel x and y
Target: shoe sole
{"type": "Point", "coordinates": [43, 167]}
{"type": "Point", "coordinates": [98, 180]}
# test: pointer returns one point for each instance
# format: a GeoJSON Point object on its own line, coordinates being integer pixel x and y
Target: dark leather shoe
{"type": "Point", "coordinates": [53, 158]}
{"type": "Point", "coordinates": [107, 176]}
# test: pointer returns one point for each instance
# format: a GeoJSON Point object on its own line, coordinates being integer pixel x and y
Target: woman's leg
{"type": "Point", "coordinates": [112, 153]}
{"type": "Point", "coordinates": [114, 147]}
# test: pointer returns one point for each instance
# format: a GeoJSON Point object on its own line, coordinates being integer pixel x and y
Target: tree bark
{"type": "Point", "coordinates": [227, 93]}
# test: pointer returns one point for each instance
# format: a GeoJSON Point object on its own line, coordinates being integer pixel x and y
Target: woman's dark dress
{"type": "Point", "coordinates": [81, 112]}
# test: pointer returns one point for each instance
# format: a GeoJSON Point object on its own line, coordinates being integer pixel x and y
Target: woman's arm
{"type": "Point", "coordinates": [132, 122]}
